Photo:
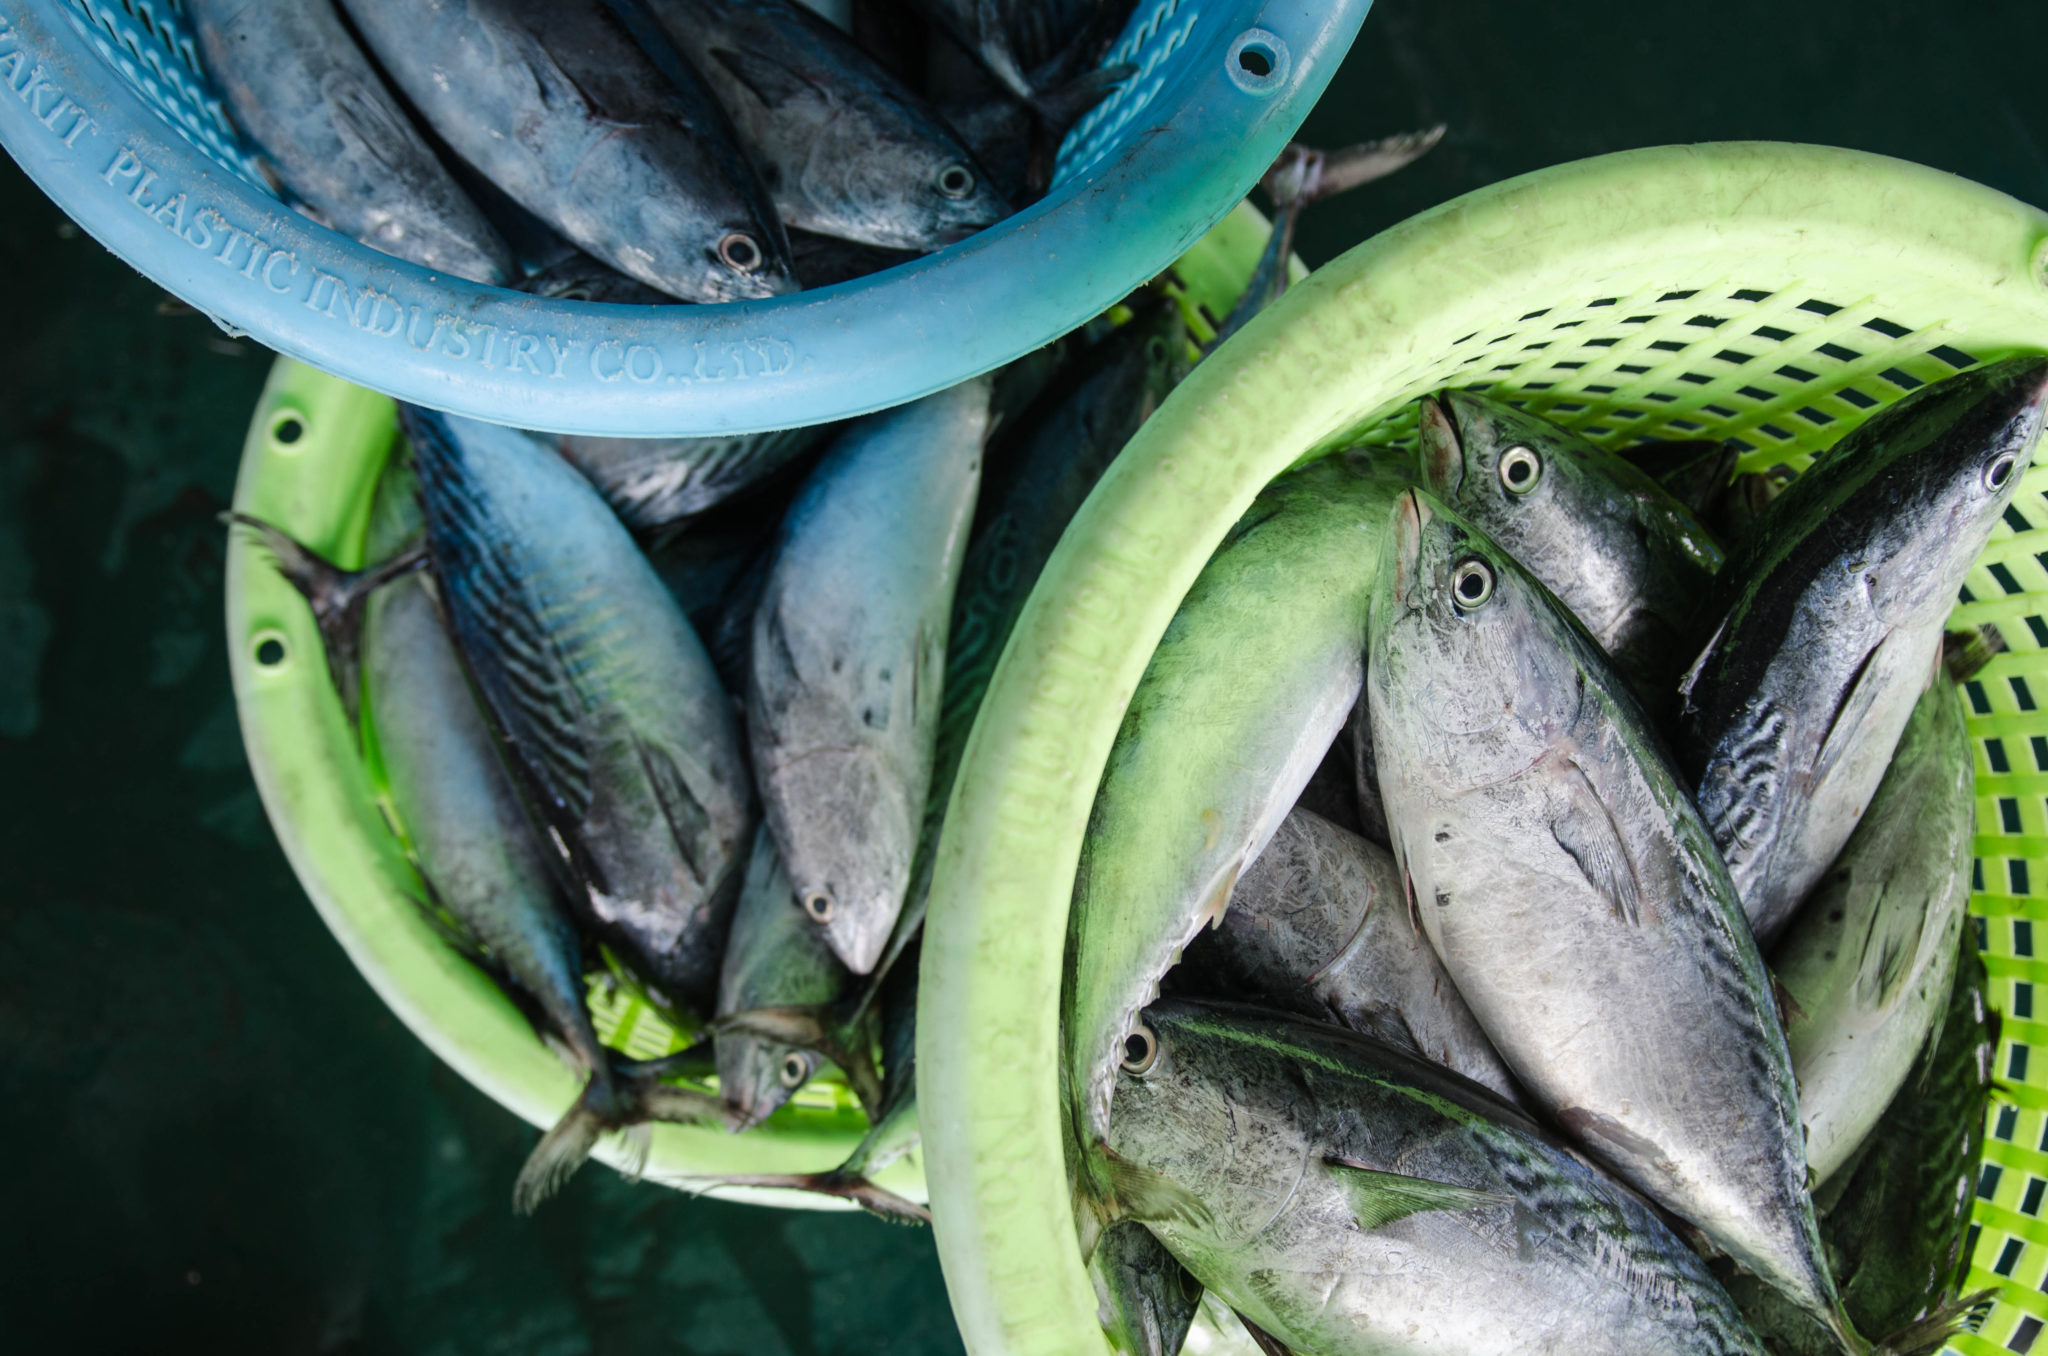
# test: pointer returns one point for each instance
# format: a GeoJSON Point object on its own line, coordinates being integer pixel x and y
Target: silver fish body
{"type": "Point", "coordinates": [653, 483]}
{"type": "Point", "coordinates": [1247, 689]}
{"type": "Point", "coordinates": [843, 147]}
{"type": "Point", "coordinates": [849, 658]}
{"type": "Point", "coordinates": [329, 131]}
{"type": "Point", "coordinates": [774, 957]}
{"type": "Point", "coordinates": [1572, 892]}
{"type": "Point", "coordinates": [583, 113]}
{"type": "Point", "coordinates": [1318, 924]}
{"type": "Point", "coordinates": [1629, 560]}
{"type": "Point", "coordinates": [1360, 1201]}
{"type": "Point", "coordinates": [1830, 624]}
{"type": "Point", "coordinates": [626, 748]}
{"type": "Point", "coordinates": [1144, 1297]}
{"type": "Point", "coordinates": [1869, 959]}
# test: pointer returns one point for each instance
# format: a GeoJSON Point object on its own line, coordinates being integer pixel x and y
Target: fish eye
{"type": "Point", "coordinates": [1472, 583]}
{"type": "Point", "coordinates": [1141, 1050]}
{"type": "Point", "coordinates": [795, 1069]}
{"type": "Point", "coordinates": [2000, 471]}
{"type": "Point", "coordinates": [1155, 349]}
{"type": "Point", "coordinates": [956, 181]}
{"type": "Point", "coordinates": [818, 905]}
{"type": "Point", "coordinates": [740, 252]}
{"type": "Point", "coordinates": [1520, 469]}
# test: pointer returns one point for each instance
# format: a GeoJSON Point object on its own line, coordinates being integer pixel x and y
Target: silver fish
{"type": "Point", "coordinates": [1353, 1200]}
{"type": "Point", "coordinates": [625, 746]}
{"type": "Point", "coordinates": [1573, 893]}
{"type": "Point", "coordinates": [335, 140]}
{"type": "Point", "coordinates": [1867, 961]}
{"type": "Point", "coordinates": [653, 483]}
{"type": "Point", "coordinates": [1318, 924]}
{"type": "Point", "coordinates": [773, 958]}
{"type": "Point", "coordinates": [1630, 561]}
{"type": "Point", "coordinates": [1247, 689]}
{"type": "Point", "coordinates": [843, 147]}
{"type": "Point", "coordinates": [584, 114]}
{"type": "Point", "coordinates": [1144, 1297]}
{"type": "Point", "coordinates": [1830, 621]}
{"type": "Point", "coordinates": [849, 658]}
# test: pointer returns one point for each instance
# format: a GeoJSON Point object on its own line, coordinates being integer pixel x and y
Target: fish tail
{"type": "Point", "coordinates": [878, 1201]}
{"type": "Point", "coordinates": [1965, 653]}
{"type": "Point", "coordinates": [604, 1106]}
{"type": "Point", "coordinates": [1929, 1334]}
{"type": "Point", "coordinates": [333, 592]}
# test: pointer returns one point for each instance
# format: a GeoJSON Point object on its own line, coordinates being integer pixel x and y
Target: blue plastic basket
{"type": "Point", "coordinates": [107, 108]}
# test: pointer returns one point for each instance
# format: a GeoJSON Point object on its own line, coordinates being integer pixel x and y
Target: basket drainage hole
{"type": "Point", "coordinates": [1257, 62]}
{"type": "Point", "coordinates": [270, 650]}
{"type": "Point", "coordinates": [287, 429]}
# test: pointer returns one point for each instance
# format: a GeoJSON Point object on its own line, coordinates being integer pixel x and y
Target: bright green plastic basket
{"type": "Point", "coordinates": [1772, 293]}
{"type": "Point", "coordinates": [310, 465]}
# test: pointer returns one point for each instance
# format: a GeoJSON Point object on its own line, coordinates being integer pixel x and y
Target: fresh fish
{"type": "Point", "coordinates": [652, 483]}
{"type": "Point", "coordinates": [1574, 895]}
{"type": "Point", "coordinates": [334, 139]}
{"type": "Point", "coordinates": [1830, 620]}
{"type": "Point", "coordinates": [585, 115]}
{"type": "Point", "coordinates": [1353, 1200]}
{"type": "Point", "coordinates": [1031, 46]}
{"type": "Point", "coordinates": [1037, 482]}
{"type": "Point", "coordinates": [1317, 925]}
{"type": "Point", "coordinates": [1144, 1297]}
{"type": "Point", "coordinates": [1695, 472]}
{"type": "Point", "coordinates": [578, 277]}
{"type": "Point", "coordinates": [624, 745]}
{"type": "Point", "coordinates": [849, 658]}
{"type": "Point", "coordinates": [1247, 689]}
{"type": "Point", "coordinates": [1365, 777]}
{"type": "Point", "coordinates": [1631, 562]}
{"type": "Point", "coordinates": [1897, 1219]}
{"type": "Point", "coordinates": [1867, 961]}
{"type": "Point", "coordinates": [844, 148]}
{"type": "Point", "coordinates": [774, 958]}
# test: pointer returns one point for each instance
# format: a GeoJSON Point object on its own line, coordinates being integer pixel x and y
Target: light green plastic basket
{"type": "Point", "coordinates": [310, 465]}
{"type": "Point", "coordinates": [1772, 293]}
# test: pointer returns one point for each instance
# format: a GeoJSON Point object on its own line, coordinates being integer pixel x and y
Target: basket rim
{"type": "Point", "coordinates": [132, 181]}
{"type": "Point", "coordinates": [1271, 397]}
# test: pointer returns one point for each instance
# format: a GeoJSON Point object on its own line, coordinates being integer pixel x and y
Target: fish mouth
{"type": "Point", "coordinates": [1439, 447]}
{"type": "Point", "coordinates": [1411, 515]}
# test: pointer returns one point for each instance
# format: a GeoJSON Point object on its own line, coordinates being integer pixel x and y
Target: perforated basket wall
{"type": "Point", "coordinates": [111, 114]}
{"type": "Point", "coordinates": [1771, 293]}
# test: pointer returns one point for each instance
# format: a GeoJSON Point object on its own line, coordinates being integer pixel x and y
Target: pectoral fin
{"type": "Point", "coordinates": [1852, 712]}
{"type": "Point", "coordinates": [1150, 1197]}
{"type": "Point", "coordinates": [773, 83]}
{"type": "Point", "coordinates": [1590, 837]}
{"type": "Point", "coordinates": [1380, 1198]}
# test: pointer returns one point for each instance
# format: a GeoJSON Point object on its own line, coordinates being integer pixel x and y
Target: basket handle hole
{"type": "Point", "coordinates": [269, 650]}
{"type": "Point", "coordinates": [287, 430]}
{"type": "Point", "coordinates": [1257, 62]}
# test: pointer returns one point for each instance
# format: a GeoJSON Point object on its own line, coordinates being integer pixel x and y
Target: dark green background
{"type": "Point", "coordinates": [215, 1137]}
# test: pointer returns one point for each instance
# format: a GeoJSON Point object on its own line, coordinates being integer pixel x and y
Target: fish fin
{"type": "Point", "coordinates": [1789, 1010]}
{"type": "Point", "coordinates": [1380, 1198]}
{"type": "Point", "coordinates": [1965, 653]}
{"type": "Point", "coordinates": [1699, 663]}
{"type": "Point", "coordinates": [1146, 1196]}
{"type": "Point", "coordinates": [527, 681]}
{"type": "Point", "coordinates": [689, 823]}
{"type": "Point", "coordinates": [880, 1202]}
{"type": "Point", "coordinates": [815, 1028]}
{"type": "Point", "coordinates": [1352, 166]}
{"type": "Point", "coordinates": [1850, 713]}
{"type": "Point", "coordinates": [767, 79]}
{"type": "Point", "coordinates": [601, 1108]}
{"type": "Point", "coordinates": [1587, 832]}
{"type": "Point", "coordinates": [335, 595]}
{"type": "Point", "coordinates": [1925, 1336]}
{"type": "Point", "coordinates": [1063, 105]}
{"type": "Point", "coordinates": [364, 115]}
{"type": "Point", "coordinates": [1263, 1340]}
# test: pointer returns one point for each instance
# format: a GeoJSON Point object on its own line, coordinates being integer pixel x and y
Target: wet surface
{"type": "Point", "coordinates": [217, 1139]}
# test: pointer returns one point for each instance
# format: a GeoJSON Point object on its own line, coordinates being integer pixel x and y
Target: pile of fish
{"type": "Point", "coordinates": [1518, 918]}
{"type": "Point", "coordinates": [646, 151]}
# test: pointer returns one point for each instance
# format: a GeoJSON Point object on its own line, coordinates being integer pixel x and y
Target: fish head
{"type": "Point", "coordinates": [1475, 658]}
{"type": "Point", "coordinates": [899, 189]}
{"type": "Point", "coordinates": [716, 256]}
{"type": "Point", "coordinates": [1953, 457]}
{"type": "Point", "coordinates": [756, 1076]}
{"type": "Point", "coordinates": [849, 856]}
